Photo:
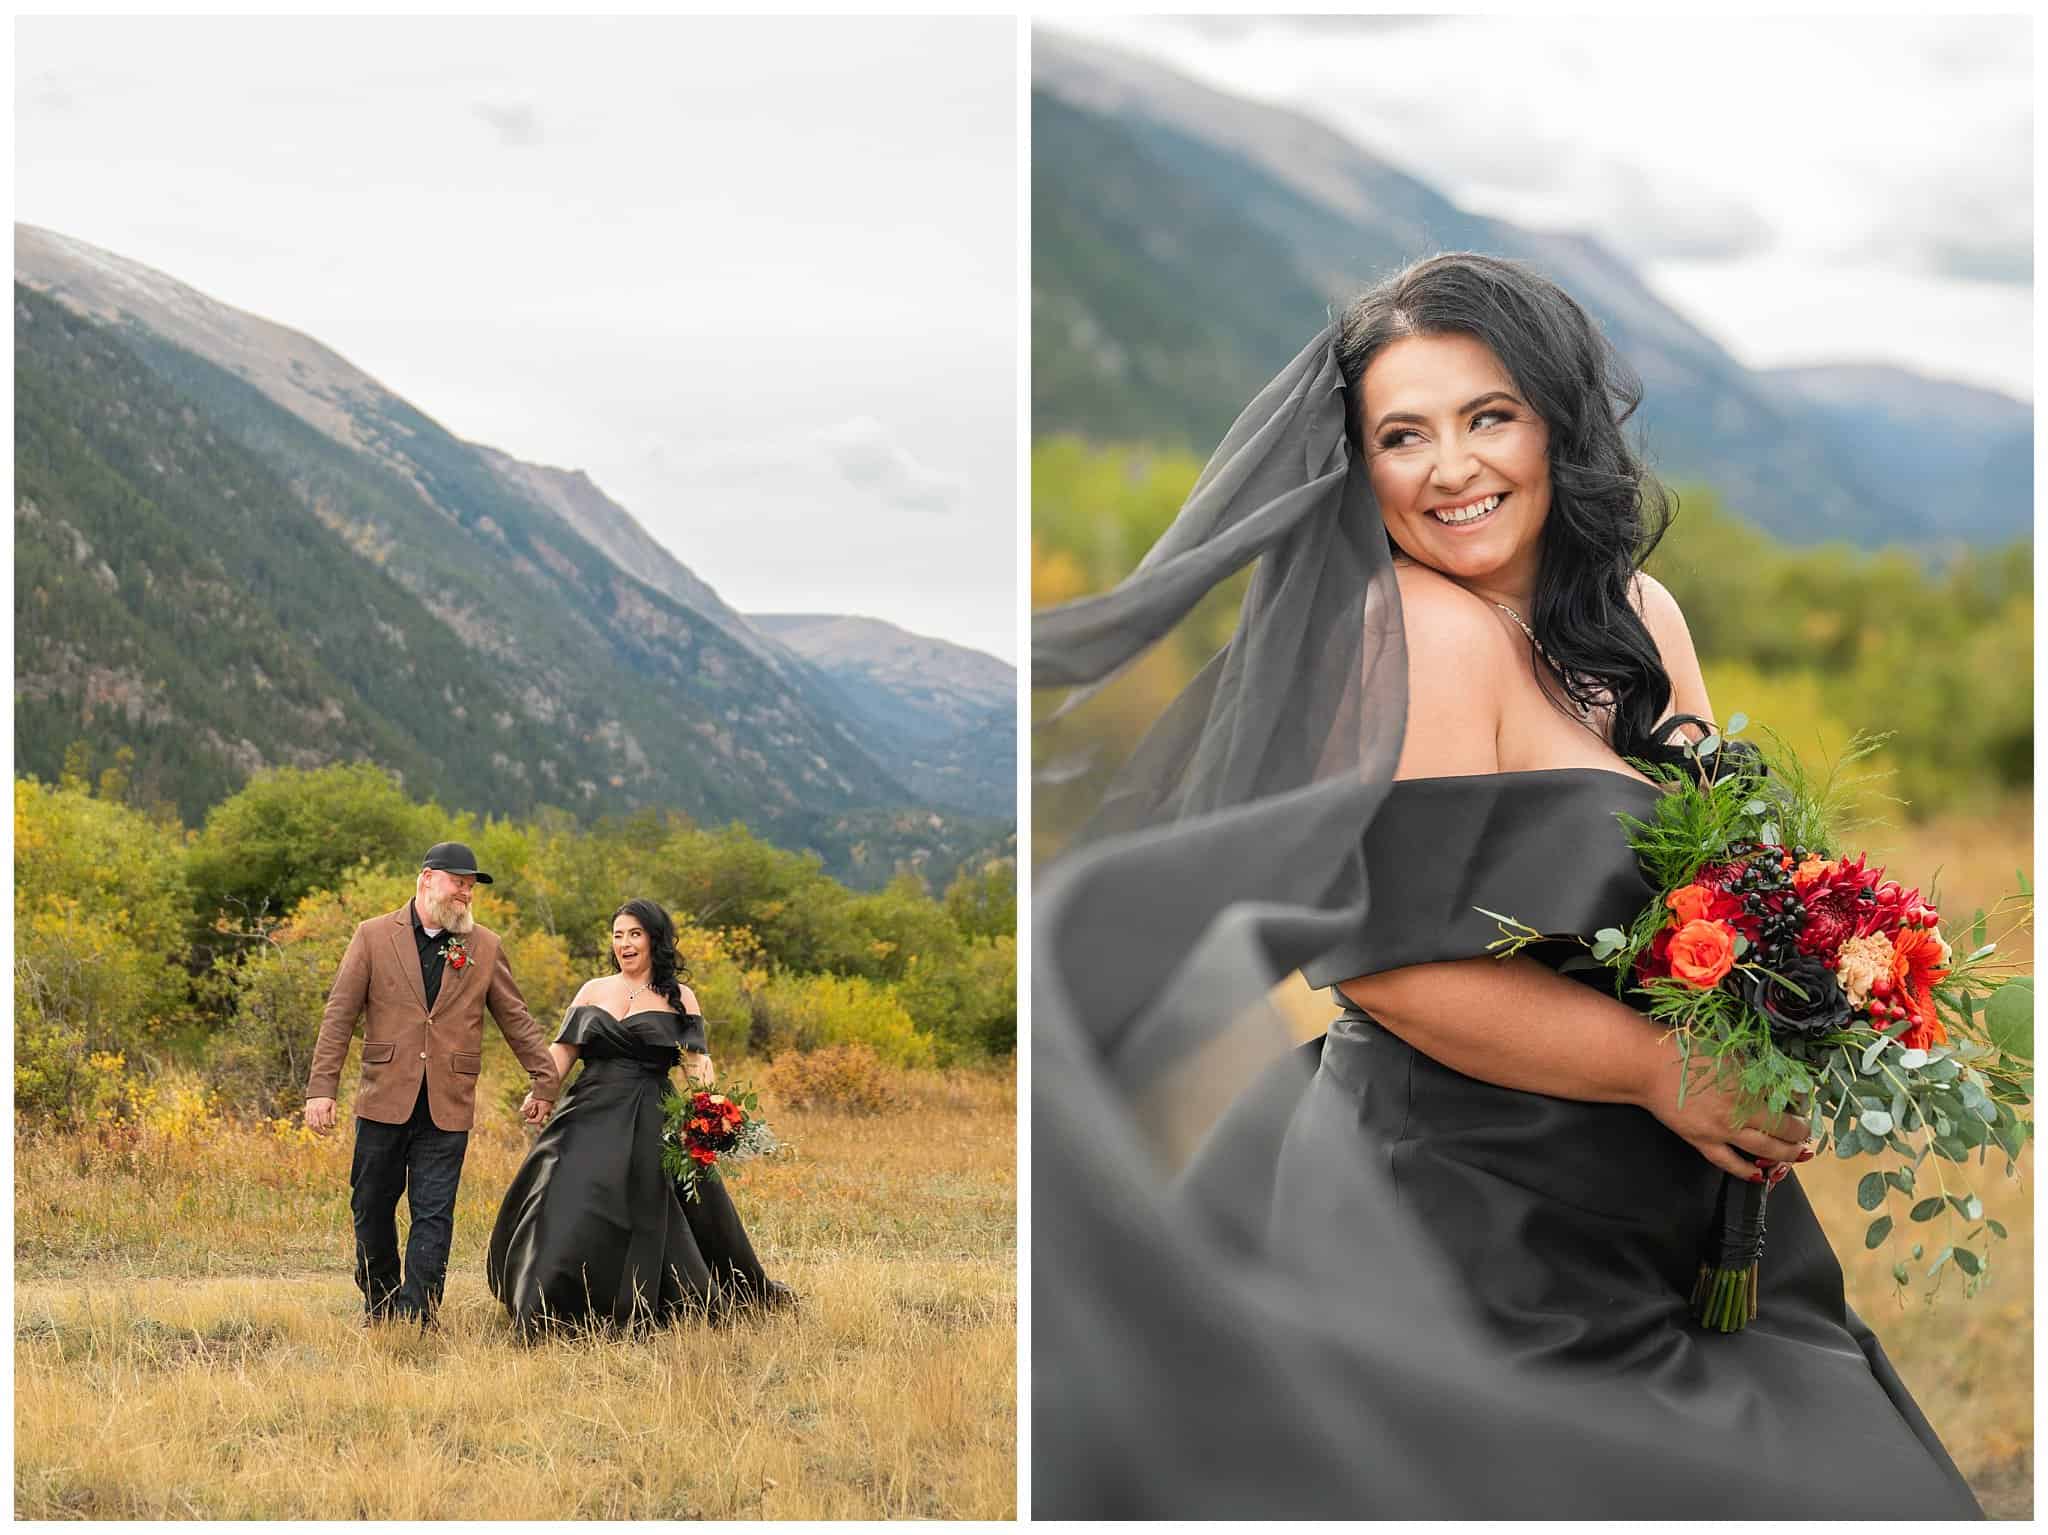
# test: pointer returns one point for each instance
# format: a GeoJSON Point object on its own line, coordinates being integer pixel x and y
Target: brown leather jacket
{"type": "Point", "coordinates": [380, 981]}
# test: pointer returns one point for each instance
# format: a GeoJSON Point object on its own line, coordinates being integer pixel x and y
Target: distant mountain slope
{"type": "Point", "coordinates": [501, 633]}
{"type": "Point", "coordinates": [950, 711]}
{"type": "Point", "coordinates": [1964, 456]}
{"type": "Point", "coordinates": [1186, 242]}
{"type": "Point", "coordinates": [611, 530]}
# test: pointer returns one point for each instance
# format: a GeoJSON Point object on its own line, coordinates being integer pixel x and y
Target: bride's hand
{"type": "Point", "coordinates": [697, 1067]}
{"type": "Point", "coordinates": [1707, 1122]}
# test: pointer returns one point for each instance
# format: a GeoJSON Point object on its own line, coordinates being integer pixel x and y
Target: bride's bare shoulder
{"type": "Point", "coordinates": [1458, 660]}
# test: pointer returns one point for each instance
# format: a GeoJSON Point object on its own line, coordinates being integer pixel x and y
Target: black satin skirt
{"type": "Point", "coordinates": [593, 1232]}
{"type": "Point", "coordinates": [1571, 1234]}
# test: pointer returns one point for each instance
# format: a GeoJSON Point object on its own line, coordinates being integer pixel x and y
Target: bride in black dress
{"type": "Point", "coordinates": [1440, 1261]}
{"type": "Point", "coordinates": [592, 1230]}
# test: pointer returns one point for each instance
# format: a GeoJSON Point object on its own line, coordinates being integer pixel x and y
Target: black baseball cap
{"type": "Point", "coordinates": [454, 858]}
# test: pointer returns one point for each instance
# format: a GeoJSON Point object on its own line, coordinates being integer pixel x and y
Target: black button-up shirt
{"type": "Point", "coordinates": [432, 962]}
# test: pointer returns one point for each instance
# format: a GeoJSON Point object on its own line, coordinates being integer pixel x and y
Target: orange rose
{"type": "Point", "coordinates": [1691, 903]}
{"type": "Point", "coordinates": [1702, 954]}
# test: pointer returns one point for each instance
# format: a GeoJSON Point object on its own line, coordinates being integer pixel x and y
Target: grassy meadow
{"type": "Point", "coordinates": [188, 1340]}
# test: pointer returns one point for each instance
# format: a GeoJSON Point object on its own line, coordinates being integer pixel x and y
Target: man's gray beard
{"type": "Point", "coordinates": [445, 915]}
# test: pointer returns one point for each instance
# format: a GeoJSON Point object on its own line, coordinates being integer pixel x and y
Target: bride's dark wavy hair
{"type": "Point", "coordinates": [669, 970]}
{"type": "Point", "coordinates": [1607, 512]}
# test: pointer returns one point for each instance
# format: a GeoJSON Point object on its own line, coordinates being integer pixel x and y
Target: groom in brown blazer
{"type": "Point", "coordinates": [420, 978]}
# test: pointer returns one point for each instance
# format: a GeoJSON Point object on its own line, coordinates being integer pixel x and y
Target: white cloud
{"type": "Point", "coordinates": [517, 124]}
{"type": "Point", "coordinates": [869, 457]}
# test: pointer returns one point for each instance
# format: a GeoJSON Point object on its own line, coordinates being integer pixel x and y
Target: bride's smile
{"type": "Point", "coordinates": [1459, 462]}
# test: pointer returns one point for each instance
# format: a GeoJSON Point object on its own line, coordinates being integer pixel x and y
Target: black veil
{"type": "Point", "coordinates": [1196, 1351]}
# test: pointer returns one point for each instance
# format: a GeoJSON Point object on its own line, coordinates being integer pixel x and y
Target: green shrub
{"type": "Point", "coordinates": [807, 1012]}
{"type": "Point", "coordinates": [100, 904]}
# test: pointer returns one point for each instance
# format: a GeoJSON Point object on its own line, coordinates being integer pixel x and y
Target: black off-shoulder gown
{"type": "Point", "coordinates": [592, 1229]}
{"type": "Point", "coordinates": [1573, 1231]}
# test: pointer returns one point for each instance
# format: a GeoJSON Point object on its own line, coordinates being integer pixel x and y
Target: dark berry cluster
{"type": "Point", "coordinates": [1769, 900]}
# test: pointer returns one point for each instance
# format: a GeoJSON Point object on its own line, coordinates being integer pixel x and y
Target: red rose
{"type": "Point", "coordinates": [1655, 960]}
{"type": "Point", "coordinates": [458, 959]}
{"type": "Point", "coordinates": [704, 1154]}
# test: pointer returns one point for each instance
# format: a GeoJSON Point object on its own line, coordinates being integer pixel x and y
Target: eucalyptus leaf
{"type": "Point", "coordinates": [1902, 1180]}
{"type": "Point", "coordinates": [1997, 1229]}
{"type": "Point", "coordinates": [1969, 1209]}
{"type": "Point", "coordinates": [1899, 1274]}
{"type": "Point", "coordinates": [1919, 1252]}
{"type": "Point", "coordinates": [1968, 1262]}
{"type": "Point", "coordinates": [1869, 1062]}
{"type": "Point", "coordinates": [1875, 1122]}
{"type": "Point", "coordinates": [2011, 1136]}
{"type": "Point", "coordinates": [1926, 1210]}
{"type": "Point", "coordinates": [1877, 1231]}
{"type": "Point", "coordinates": [1769, 833]}
{"type": "Point", "coordinates": [1870, 1190]}
{"type": "Point", "coordinates": [1941, 1261]}
{"type": "Point", "coordinates": [1736, 722]}
{"type": "Point", "coordinates": [2009, 1017]}
{"type": "Point", "coordinates": [1912, 1060]}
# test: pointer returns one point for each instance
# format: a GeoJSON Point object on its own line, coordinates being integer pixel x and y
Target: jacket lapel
{"type": "Point", "coordinates": [406, 954]}
{"type": "Point", "coordinates": [452, 979]}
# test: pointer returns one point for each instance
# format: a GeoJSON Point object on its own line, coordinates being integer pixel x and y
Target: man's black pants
{"type": "Point", "coordinates": [425, 1164]}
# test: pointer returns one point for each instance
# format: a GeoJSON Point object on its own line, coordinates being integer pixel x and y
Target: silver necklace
{"type": "Point", "coordinates": [1583, 710]}
{"type": "Point", "coordinates": [634, 993]}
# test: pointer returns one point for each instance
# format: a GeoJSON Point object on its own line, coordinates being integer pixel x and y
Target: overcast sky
{"type": "Point", "coordinates": [757, 277]}
{"type": "Point", "coordinates": [1812, 190]}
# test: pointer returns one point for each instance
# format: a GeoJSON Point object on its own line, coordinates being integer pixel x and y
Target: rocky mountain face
{"type": "Point", "coordinates": [1185, 243]}
{"type": "Point", "coordinates": [235, 549]}
{"type": "Point", "coordinates": [950, 711]}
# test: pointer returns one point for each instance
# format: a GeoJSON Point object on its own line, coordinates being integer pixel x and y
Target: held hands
{"type": "Point", "coordinates": [535, 1111]}
{"type": "Point", "coordinates": [697, 1067]}
{"type": "Point", "coordinates": [320, 1115]}
{"type": "Point", "coordinates": [1706, 1121]}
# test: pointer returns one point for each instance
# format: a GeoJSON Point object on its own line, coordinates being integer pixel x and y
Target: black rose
{"type": "Point", "coordinates": [1822, 1009]}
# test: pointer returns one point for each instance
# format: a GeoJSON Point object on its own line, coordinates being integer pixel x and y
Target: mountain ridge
{"type": "Point", "coordinates": [1302, 218]}
{"type": "Point", "coordinates": [529, 570]}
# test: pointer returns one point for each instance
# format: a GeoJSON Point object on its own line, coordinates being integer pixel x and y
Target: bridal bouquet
{"type": "Point", "coordinates": [706, 1133]}
{"type": "Point", "coordinates": [1798, 975]}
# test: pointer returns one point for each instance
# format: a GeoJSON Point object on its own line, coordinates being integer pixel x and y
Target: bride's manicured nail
{"type": "Point", "coordinates": [1805, 1154]}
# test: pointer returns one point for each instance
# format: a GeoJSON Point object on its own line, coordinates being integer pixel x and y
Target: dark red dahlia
{"type": "Point", "coordinates": [1840, 904]}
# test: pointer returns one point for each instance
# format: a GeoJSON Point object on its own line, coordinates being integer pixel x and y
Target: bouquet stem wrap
{"type": "Point", "coordinates": [1724, 1296]}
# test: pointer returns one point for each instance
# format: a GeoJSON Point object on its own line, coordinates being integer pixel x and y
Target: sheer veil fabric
{"type": "Point", "coordinates": [1198, 1349]}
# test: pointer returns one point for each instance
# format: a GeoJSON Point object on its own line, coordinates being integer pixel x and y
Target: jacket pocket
{"type": "Point", "coordinates": [377, 1051]}
{"type": "Point", "coordinates": [465, 1065]}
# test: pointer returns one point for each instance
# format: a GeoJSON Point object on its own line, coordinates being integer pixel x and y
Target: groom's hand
{"type": "Point", "coordinates": [536, 1110]}
{"type": "Point", "coordinates": [320, 1115]}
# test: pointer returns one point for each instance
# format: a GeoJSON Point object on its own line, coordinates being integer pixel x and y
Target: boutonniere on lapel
{"type": "Point", "coordinates": [454, 952]}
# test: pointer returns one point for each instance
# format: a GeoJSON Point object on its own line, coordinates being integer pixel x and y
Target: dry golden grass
{"type": "Point", "coordinates": [188, 1345]}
